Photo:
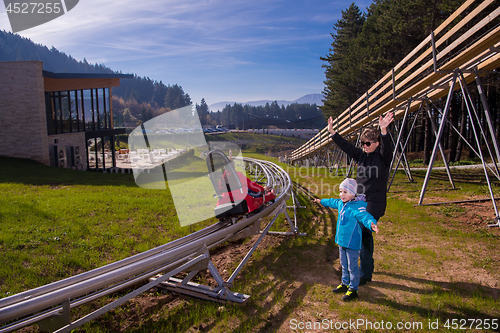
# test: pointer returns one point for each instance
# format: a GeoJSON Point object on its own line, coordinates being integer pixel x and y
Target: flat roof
{"type": "Point", "coordinates": [53, 75]}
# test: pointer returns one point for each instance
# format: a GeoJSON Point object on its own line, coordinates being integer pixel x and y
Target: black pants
{"type": "Point", "coordinates": [366, 254]}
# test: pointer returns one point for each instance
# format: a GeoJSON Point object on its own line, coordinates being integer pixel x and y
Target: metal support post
{"type": "Point", "coordinates": [404, 159]}
{"type": "Point", "coordinates": [464, 139]}
{"type": "Point", "coordinates": [339, 161]}
{"type": "Point", "coordinates": [393, 86]}
{"type": "Point", "coordinates": [254, 247]}
{"type": "Point", "coordinates": [398, 141]}
{"type": "Point", "coordinates": [465, 91]}
{"type": "Point", "coordinates": [53, 323]}
{"type": "Point", "coordinates": [332, 160]}
{"type": "Point", "coordinates": [129, 296]}
{"type": "Point", "coordinates": [367, 106]}
{"type": "Point", "coordinates": [491, 127]}
{"type": "Point", "coordinates": [404, 147]}
{"type": "Point", "coordinates": [439, 135]}
{"type": "Point", "coordinates": [401, 160]}
{"type": "Point", "coordinates": [343, 157]}
{"type": "Point", "coordinates": [351, 163]}
{"type": "Point", "coordinates": [482, 131]}
{"type": "Point", "coordinates": [433, 52]}
{"type": "Point", "coordinates": [441, 150]}
{"type": "Point", "coordinates": [350, 117]}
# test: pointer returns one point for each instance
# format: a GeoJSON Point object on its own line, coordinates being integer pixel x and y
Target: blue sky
{"type": "Point", "coordinates": [219, 50]}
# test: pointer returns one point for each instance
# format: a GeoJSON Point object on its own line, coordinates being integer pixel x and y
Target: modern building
{"type": "Point", "coordinates": [58, 119]}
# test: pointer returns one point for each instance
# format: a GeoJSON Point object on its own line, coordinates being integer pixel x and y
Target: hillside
{"type": "Point", "coordinates": [258, 143]}
{"type": "Point", "coordinates": [136, 98]}
{"type": "Point", "coordinates": [141, 90]}
{"type": "Point", "coordinates": [16, 48]}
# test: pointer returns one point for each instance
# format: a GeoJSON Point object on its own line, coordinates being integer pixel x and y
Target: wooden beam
{"type": "Point", "coordinates": [416, 79]}
{"type": "Point", "coordinates": [78, 84]}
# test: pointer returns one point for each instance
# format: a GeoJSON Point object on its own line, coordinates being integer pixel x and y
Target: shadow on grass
{"type": "Point", "coordinates": [466, 176]}
{"type": "Point", "coordinates": [446, 292]}
{"type": "Point", "coordinates": [14, 170]}
{"type": "Point", "coordinates": [296, 265]}
{"type": "Point", "coordinates": [278, 283]}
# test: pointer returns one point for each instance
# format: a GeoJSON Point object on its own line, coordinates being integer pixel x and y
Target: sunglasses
{"type": "Point", "coordinates": [367, 143]}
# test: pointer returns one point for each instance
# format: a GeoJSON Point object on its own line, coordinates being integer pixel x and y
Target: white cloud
{"type": "Point", "coordinates": [165, 38]}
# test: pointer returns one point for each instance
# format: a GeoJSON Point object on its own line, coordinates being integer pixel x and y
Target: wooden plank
{"type": "Point", "coordinates": [462, 22]}
{"type": "Point", "coordinates": [425, 53]}
{"type": "Point", "coordinates": [444, 39]}
{"type": "Point", "coordinates": [472, 56]}
{"type": "Point", "coordinates": [479, 47]}
{"type": "Point", "coordinates": [454, 16]}
{"type": "Point", "coordinates": [492, 63]}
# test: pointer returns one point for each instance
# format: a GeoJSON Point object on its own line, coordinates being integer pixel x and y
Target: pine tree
{"type": "Point", "coordinates": [176, 98]}
{"type": "Point", "coordinates": [203, 111]}
{"type": "Point", "coordinates": [341, 84]}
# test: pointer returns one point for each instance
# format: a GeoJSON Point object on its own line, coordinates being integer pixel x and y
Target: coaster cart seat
{"type": "Point", "coordinates": [237, 195]}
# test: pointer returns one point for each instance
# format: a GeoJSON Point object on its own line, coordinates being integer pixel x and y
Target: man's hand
{"type": "Point", "coordinates": [330, 126]}
{"type": "Point", "coordinates": [317, 201]}
{"type": "Point", "coordinates": [383, 122]}
{"type": "Point", "coordinates": [374, 228]}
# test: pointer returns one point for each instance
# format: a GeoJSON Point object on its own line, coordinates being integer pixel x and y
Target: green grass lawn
{"type": "Point", "coordinates": [58, 222]}
{"type": "Point", "coordinates": [254, 143]}
{"type": "Point", "coordinates": [432, 267]}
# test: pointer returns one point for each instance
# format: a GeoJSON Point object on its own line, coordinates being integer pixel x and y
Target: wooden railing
{"type": "Point", "coordinates": [425, 72]}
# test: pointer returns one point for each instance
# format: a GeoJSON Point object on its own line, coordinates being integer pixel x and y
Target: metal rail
{"type": "Point", "coordinates": [50, 305]}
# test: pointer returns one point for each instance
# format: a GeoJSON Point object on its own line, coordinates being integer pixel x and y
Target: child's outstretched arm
{"type": "Point", "coordinates": [332, 203]}
{"type": "Point", "coordinates": [366, 219]}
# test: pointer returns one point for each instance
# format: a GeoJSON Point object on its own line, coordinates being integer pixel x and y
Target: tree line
{"type": "Point", "coordinates": [134, 100]}
{"type": "Point", "coordinates": [368, 45]}
{"type": "Point", "coordinates": [140, 99]}
{"type": "Point", "coordinates": [292, 115]}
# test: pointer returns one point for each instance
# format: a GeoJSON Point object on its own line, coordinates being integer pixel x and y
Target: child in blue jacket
{"type": "Point", "coordinates": [351, 213]}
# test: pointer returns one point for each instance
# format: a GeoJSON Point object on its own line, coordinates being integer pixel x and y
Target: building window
{"type": "Point", "coordinates": [88, 102]}
{"type": "Point", "coordinates": [78, 111]}
{"type": "Point", "coordinates": [101, 152]}
{"type": "Point", "coordinates": [77, 108]}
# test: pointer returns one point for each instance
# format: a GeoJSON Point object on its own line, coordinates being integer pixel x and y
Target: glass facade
{"type": "Point", "coordinates": [78, 111]}
{"type": "Point", "coordinates": [86, 111]}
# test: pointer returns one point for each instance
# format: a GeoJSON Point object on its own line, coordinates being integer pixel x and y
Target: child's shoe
{"type": "Point", "coordinates": [350, 295]}
{"type": "Point", "coordinates": [340, 289]}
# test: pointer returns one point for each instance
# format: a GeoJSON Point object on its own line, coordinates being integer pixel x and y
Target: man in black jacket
{"type": "Point", "coordinates": [374, 159]}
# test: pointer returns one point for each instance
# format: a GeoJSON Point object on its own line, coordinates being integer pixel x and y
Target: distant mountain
{"type": "Point", "coordinates": [306, 99]}
{"type": "Point", "coordinates": [311, 99]}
